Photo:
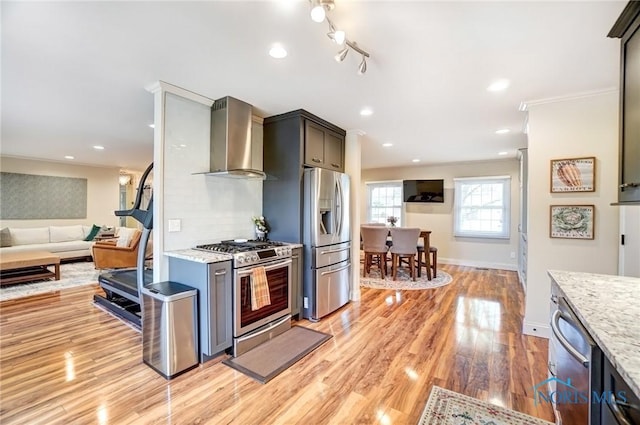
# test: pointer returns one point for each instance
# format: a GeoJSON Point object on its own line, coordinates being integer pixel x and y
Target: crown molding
{"type": "Point", "coordinates": [525, 104]}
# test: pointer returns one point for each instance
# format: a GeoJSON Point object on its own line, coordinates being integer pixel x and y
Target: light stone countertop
{"type": "Point", "coordinates": [609, 308]}
{"type": "Point", "coordinates": [199, 256]}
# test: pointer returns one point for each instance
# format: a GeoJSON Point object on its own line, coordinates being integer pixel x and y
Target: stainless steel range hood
{"type": "Point", "coordinates": [233, 152]}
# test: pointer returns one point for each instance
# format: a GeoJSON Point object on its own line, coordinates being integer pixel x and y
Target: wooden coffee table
{"type": "Point", "coordinates": [18, 267]}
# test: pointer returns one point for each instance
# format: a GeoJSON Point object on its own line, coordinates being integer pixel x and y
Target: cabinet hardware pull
{"type": "Point", "coordinates": [626, 185]}
{"type": "Point", "coordinates": [335, 165]}
{"type": "Point", "coordinates": [563, 341]}
{"type": "Point", "coordinates": [618, 412]}
{"type": "Point", "coordinates": [220, 273]}
{"type": "Point", "coordinates": [315, 160]}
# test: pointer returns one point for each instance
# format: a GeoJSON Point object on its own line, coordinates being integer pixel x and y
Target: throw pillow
{"type": "Point", "coordinates": [92, 233]}
{"type": "Point", "coordinates": [125, 235]}
{"type": "Point", "coordinates": [5, 237]}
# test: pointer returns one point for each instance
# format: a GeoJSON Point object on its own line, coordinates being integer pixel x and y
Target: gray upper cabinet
{"type": "Point", "coordinates": [293, 141]}
{"type": "Point", "coordinates": [627, 28]}
{"type": "Point", "coordinates": [323, 147]}
{"type": "Point", "coordinates": [320, 142]}
{"type": "Point", "coordinates": [313, 144]}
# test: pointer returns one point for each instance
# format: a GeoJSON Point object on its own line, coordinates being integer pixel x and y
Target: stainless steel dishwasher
{"type": "Point", "coordinates": [578, 367]}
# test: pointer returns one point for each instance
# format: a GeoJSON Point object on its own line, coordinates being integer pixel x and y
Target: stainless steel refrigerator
{"type": "Point", "coordinates": [327, 243]}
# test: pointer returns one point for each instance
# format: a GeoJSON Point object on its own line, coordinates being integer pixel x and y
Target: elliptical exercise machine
{"type": "Point", "coordinates": [123, 287]}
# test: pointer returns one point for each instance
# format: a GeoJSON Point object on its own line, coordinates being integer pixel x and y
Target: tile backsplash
{"type": "Point", "coordinates": [210, 208]}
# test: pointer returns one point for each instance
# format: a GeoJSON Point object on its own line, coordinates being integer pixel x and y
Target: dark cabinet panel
{"type": "Point", "coordinates": [314, 144]}
{"type": "Point", "coordinates": [334, 151]}
{"type": "Point", "coordinates": [214, 284]}
{"type": "Point", "coordinates": [296, 281]}
{"type": "Point", "coordinates": [627, 28]}
{"type": "Point", "coordinates": [293, 141]}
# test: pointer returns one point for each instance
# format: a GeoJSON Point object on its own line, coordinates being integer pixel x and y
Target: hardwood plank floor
{"type": "Point", "coordinates": [62, 360]}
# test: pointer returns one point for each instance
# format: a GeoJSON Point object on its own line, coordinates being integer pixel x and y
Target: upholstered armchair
{"type": "Point", "coordinates": [108, 255]}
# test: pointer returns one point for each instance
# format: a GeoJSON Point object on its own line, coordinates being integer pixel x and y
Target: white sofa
{"type": "Point", "coordinates": [64, 241]}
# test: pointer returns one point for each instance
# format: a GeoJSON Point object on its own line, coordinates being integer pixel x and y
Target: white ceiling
{"type": "Point", "coordinates": [73, 74]}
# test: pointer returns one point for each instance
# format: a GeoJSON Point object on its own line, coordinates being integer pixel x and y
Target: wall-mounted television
{"type": "Point", "coordinates": [423, 190]}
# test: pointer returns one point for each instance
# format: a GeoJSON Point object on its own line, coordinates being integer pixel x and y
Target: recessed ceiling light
{"type": "Point", "coordinates": [387, 145]}
{"type": "Point", "coordinates": [98, 148]}
{"type": "Point", "coordinates": [415, 160]}
{"type": "Point", "coordinates": [498, 85]}
{"type": "Point", "coordinates": [503, 131]}
{"type": "Point", "coordinates": [277, 51]}
{"type": "Point", "coordinates": [365, 112]}
{"type": "Point", "coordinates": [152, 125]}
{"type": "Point", "coordinates": [503, 153]}
{"type": "Point", "coordinates": [69, 157]}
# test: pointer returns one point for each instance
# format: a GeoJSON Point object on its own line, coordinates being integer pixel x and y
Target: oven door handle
{"type": "Point", "coordinates": [266, 268]}
{"type": "Point", "coordinates": [555, 328]}
{"type": "Point", "coordinates": [266, 329]}
{"type": "Point", "coordinates": [336, 270]}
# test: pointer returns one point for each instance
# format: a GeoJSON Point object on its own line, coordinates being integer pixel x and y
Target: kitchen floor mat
{"type": "Point", "coordinates": [267, 360]}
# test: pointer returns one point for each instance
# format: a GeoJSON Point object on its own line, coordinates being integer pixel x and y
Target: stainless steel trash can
{"type": "Point", "coordinates": [169, 328]}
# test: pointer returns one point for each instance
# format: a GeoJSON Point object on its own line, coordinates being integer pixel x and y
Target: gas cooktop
{"type": "Point", "coordinates": [249, 252]}
{"type": "Point", "coordinates": [237, 245]}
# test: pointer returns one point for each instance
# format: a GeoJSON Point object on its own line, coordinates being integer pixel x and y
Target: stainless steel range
{"type": "Point", "coordinates": [253, 327]}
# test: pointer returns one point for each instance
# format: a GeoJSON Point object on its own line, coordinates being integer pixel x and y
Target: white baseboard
{"type": "Point", "coordinates": [481, 264]}
{"type": "Point", "coordinates": [536, 329]}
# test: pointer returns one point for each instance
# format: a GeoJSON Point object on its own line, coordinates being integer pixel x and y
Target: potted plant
{"type": "Point", "coordinates": [262, 228]}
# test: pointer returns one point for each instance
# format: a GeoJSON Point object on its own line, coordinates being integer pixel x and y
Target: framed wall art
{"type": "Point", "coordinates": [572, 221]}
{"type": "Point", "coordinates": [573, 175]}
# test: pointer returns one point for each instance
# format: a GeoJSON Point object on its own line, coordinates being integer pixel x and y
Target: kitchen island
{"type": "Point", "coordinates": [608, 307]}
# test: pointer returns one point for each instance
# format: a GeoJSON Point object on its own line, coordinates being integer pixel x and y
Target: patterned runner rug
{"type": "Point", "coordinates": [446, 407]}
{"type": "Point", "coordinates": [403, 280]}
{"type": "Point", "coordinates": [71, 275]}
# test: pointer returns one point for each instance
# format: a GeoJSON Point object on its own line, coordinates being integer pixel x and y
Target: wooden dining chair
{"type": "Point", "coordinates": [427, 255]}
{"type": "Point", "coordinates": [405, 242]}
{"type": "Point", "coordinates": [374, 245]}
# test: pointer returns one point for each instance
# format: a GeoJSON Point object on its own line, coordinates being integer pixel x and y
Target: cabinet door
{"type": "Point", "coordinates": [314, 144]}
{"type": "Point", "coordinates": [296, 280]}
{"type": "Point", "coordinates": [630, 149]}
{"type": "Point", "coordinates": [220, 303]}
{"type": "Point", "coordinates": [333, 151]}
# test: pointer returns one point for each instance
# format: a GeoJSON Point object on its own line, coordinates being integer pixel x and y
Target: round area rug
{"type": "Point", "coordinates": [403, 281]}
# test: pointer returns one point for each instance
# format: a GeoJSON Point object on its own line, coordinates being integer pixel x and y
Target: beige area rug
{"type": "Point", "coordinates": [269, 359]}
{"type": "Point", "coordinates": [403, 280]}
{"type": "Point", "coordinates": [71, 275]}
{"type": "Point", "coordinates": [446, 407]}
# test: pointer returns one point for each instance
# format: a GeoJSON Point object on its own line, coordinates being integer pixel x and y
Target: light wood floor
{"type": "Point", "coordinates": [64, 361]}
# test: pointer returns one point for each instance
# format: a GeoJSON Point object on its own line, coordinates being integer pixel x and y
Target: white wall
{"type": "Point", "coordinates": [570, 128]}
{"type": "Point", "coordinates": [209, 209]}
{"type": "Point", "coordinates": [102, 190]}
{"type": "Point", "coordinates": [492, 253]}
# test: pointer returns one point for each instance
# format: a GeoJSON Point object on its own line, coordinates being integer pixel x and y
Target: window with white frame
{"type": "Point", "coordinates": [482, 207]}
{"type": "Point", "coordinates": [384, 200]}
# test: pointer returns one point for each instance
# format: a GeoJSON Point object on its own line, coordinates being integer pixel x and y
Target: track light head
{"type": "Point", "coordinates": [362, 68]}
{"type": "Point", "coordinates": [318, 14]}
{"type": "Point", "coordinates": [341, 54]}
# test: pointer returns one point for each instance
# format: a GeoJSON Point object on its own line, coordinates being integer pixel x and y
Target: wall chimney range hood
{"type": "Point", "coordinates": [233, 152]}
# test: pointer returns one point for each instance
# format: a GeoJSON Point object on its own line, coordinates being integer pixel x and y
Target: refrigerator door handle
{"type": "Point", "coordinates": [338, 207]}
{"type": "Point", "coordinates": [336, 270]}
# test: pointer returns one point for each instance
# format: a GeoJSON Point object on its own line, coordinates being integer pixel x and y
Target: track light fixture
{"type": "Point", "coordinates": [362, 68]}
{"type": "Point", "coordinates": [319, 9]}
{"type": "Point", "coordinates": [342, 54]}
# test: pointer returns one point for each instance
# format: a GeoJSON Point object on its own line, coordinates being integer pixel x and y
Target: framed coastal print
{"type": "Point", "coordinates": [573, 175]}
{"type": "Point", "coordinates": [572, 221]}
